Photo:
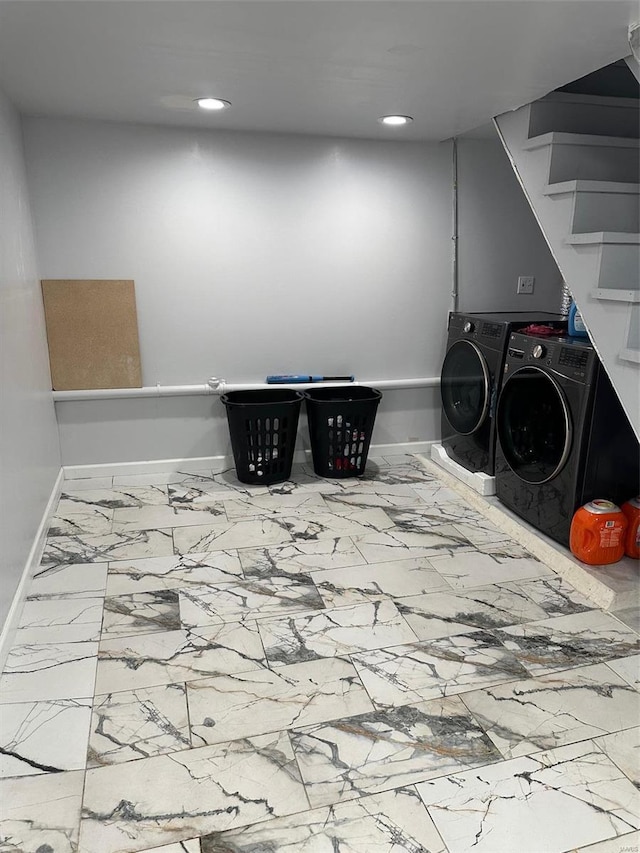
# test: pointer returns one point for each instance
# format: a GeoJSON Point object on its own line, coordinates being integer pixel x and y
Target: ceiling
{"type": "Point", "coordinates": [328, 67]}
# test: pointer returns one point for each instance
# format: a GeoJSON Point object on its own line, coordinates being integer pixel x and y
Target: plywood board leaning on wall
{"type": "Point", "coordinates": [92, 331]}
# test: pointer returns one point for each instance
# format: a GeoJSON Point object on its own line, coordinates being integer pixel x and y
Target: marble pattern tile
{"type": "Point", "coordinates": [41, 814]}
{"type": "Point", "coordinates": [256, 533]}
{"type": "Point", "coordinates": [574, 640]}
{"type": "Point", "coordinates": [554, 710]}
{"type": "Point", "coordinates": [158, 517]}
{"type": "Point", "coordinates": [252, 703]}
{"type": "Point", "coordinates": [443, 667]}
{"type": "Point", "coordinates": [192, 845]}
{"type": "Point", "coordinates": [371, 485]}
{"type": "Point", "coordinates": [628, 668]}
{"type": "Point", "coordinates": [44, 737]}
{"type": "Point", "coordinates": [159, 479]}
{"type": "Point", "coordinates": [441, 614]}
{"type": "Point", "coordinates": [297, 503]}
{"type": "Point", "coordinates": [392, 822]}
{"type": "Point", "coordinates": [359, 584]}
{"type": "Point", "coordinates": [187, 494]}
{"type": "Point", "coordinates": [300, 557]}
{"type": "Point", "coordinates": [83, 500]}
{"type": "Point", "coordinates": [623, 748]}
{"type": "Point", "coordinates": [167, 798]}
{"type": "Point", "coordinates": [505, 549]}
{"type": "Point", "coordinates": [53, 671]}
{"type": "Point", "coordinates": [138, 724]}
{"type": "Point", "coordinates": [253, 598]}
{"type": "Point", "coordinates": [427, 516]}
{"type": "Point", "coordinates": [227, 485]}
{"type": "Point", "coordinates": [348, 758]}
{"type": "Point", "coordinates": [59, 619]}
{"type": "Point", "coordinates": [175, 572]}
{"type": "Point", "coordinates": [402, 545]}
{"type": "Point", "coordinates": [436, 493]}
{"type": "Point", "coordinates": [333, 633]}
{"type": "Point", "coordinates": [366, 497]}
{"type": "Point", "coordinates": [87, 484]}
{"type": "Point", "coordinates": [114, 546]}
{"type": "Point", "coordinates": [553, 801]}
{"type": "Point", "coordinates": [482, 533]}
{"type": "Point", "coordinates": [471, 569]}
{"type": "Point", "coordinates": [141, 613]}
{"type": "Point", "coordinates": [74, 523]}
{"type": "Point", "coordinates": [87, 579]}
{"type": "Point", "coordinates": [301, 481]}
{"type": "Point", "coordinates": [412, 473]}
{"type": "Point", "coordinates": [318, 526]}
{"type": "Point", "coordinates": [554, 595]}
{"type": "Point", "coordinates": [129, 663]}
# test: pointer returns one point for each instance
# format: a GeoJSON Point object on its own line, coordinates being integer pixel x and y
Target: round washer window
{"type": "Point", "coordinates": [465, 387]}
{"type": "Point", "coordinates": [534, 425]}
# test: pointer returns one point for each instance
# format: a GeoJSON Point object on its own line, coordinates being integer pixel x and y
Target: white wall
{"type": "Point", "coordinates": [498, 236]}
{"type": "Point", "coordinates": [252, 254]}
{"type": "Point", "coordinates": [29, 450]}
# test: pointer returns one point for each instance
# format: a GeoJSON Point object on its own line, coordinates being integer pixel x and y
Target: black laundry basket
{"type": "Point", "coordinates": [263, 427]}
{"type": "Point", "coordinates": [341, 423]}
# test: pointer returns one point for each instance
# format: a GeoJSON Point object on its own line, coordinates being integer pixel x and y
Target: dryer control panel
{"type": "Point", "coordinates": [574, 358]}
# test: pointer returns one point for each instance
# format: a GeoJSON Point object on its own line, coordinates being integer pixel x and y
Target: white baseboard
{"type": "Point", "coordinates": [32, 562]}
{"type": "Point", "coordinates": [215, 463]}
{"type": "Point", "coordinates": [480, 482]}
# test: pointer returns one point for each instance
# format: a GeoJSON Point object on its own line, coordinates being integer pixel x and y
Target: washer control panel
{"type": "Point", "coordinates": [571, 357]}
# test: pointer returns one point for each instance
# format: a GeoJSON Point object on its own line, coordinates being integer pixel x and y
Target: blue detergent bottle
{"type": "Point", "coordinates": [577, 328]}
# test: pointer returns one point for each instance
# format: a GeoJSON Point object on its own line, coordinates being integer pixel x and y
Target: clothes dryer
{"type": "Point", "coordinates": [563, 436]}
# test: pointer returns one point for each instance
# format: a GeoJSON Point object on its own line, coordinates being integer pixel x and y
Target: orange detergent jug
{"type": "Point", "coordinates": [632, 540]}
{"type": "Point", "coordinates": [597, 533]}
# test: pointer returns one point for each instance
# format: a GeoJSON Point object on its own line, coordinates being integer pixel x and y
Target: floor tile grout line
{"type": "Point", "coordinates": [595, 738]}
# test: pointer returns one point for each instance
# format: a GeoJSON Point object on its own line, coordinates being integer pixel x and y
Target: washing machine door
{"type": "Point", "coordinates": [534, 425]}
{"type": "Point", "coordinates": [465, 387]}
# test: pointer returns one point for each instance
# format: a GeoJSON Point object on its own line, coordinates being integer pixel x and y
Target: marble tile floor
{"type": "Point", "coordinates": [318, 666]}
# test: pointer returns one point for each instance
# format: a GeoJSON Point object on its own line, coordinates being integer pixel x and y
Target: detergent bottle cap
{"type": "Point", "coordinates": [635, 502]}
{"type": "Point", "coordinates": [599, 506]}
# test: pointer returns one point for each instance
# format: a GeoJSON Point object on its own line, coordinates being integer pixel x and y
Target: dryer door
{"type": "Point", "coordinates": [534, 425]}
{"type": "Point", "coordinates": [465, 387]}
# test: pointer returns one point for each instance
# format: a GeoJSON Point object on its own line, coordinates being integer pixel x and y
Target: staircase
{"type": "Point", "coordinates": [577, 158]}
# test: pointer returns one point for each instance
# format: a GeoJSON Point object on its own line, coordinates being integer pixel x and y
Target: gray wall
{"type": "Point", "coordinates": [256, 254]}
{"type": "Point", "coordinates": [252, 254]}
{"type": "Point", "coordinates": [499, 238]}
{"type": "Point", "coordinates": [29, 451]}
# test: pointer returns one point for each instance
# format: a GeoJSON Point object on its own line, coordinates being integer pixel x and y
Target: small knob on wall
{"type": "Point", "coordinates": [468, 327]}
{"type": "Point", "coordinates": [538, 351]}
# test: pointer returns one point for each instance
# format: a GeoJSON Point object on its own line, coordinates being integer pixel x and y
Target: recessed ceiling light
{"type": "Point", "coordinates": [395, 120]}
{"type": "Point", "coordinates": [212, 103]}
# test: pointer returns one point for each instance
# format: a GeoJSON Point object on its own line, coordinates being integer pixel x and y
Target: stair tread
{"type": "Point", "coordinates": [614, 294]}
{"type": "Point", "coordinates": [591, 187]}
{"type": "Point", "coordinates": [604, 237]}
{"type": "Point", "coordinates": [562, 138]}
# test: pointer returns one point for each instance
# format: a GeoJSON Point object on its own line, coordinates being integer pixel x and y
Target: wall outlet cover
{"type": "Point", "coordinates": [526, 283]}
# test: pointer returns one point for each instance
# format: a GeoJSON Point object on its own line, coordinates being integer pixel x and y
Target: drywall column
{"type": "Point", "coordinates": [498, 236]}
{"type": "Point", "coordinates": [29, 449]}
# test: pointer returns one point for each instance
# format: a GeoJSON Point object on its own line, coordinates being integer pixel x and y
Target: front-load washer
{"type": "Point", "coordinates": [470, 381]}
{"type": "Point", "coordinates": [563, 436]}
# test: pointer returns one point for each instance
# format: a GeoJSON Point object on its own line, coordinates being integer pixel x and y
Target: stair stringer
{"type": "Point", "coordinates": [608, 321]}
